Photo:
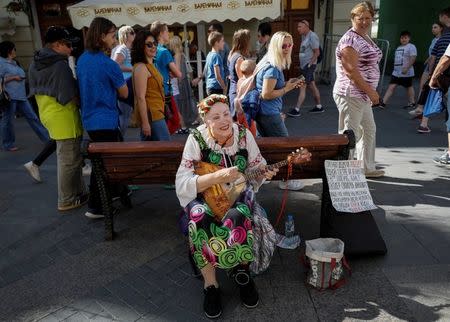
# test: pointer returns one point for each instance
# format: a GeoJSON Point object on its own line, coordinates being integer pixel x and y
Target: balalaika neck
{"type": "Point", "coordinates": [259, 172]}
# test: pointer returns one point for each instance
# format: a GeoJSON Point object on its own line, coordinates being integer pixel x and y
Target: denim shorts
{"type": "Point", "coordinates": [308, 73]}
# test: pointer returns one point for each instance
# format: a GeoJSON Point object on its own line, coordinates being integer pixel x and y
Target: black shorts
{"type": "Point", "coordinates": [402, 81]}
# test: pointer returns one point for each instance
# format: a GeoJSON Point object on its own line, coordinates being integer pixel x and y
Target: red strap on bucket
{"type": "Point", "coordinates": [332, 267]}
{"type": "Point", "coordinates": [346, 265]}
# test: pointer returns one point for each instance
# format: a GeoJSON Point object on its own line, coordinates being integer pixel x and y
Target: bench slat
{"type": "Point", "coordinates": [178, 146]}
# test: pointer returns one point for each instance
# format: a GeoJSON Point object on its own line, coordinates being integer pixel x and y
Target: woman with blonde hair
{"type": "Point", "coordinates": [272, 86]}
{"type": "Point", "coordinates": [357, 77]}
{"type": "Point", "coordinates": [239, 52]}
{"type": "Point", "coordinates": [121, 55]}
{"type": "Point", "coordinates": [181, 87]}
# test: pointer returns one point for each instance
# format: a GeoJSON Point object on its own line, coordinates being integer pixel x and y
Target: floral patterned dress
{"type": "Point", "coordinates": [228, 242]}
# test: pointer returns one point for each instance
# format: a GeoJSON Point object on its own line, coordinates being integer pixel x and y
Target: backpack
{"type": "Point", "coordinates": [249, 98]}
{"type": "Point", "coordinates": [251, 104]}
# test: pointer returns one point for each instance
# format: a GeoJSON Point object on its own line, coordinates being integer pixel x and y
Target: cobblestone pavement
{"type": "Point", "coordinates": [57, 267]}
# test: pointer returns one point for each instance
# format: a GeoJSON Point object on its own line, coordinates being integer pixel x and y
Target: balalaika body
{"type": "Point", "coordinates": [221, 197]}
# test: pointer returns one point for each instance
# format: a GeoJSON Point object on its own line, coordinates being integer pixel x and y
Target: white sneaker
{"type": "Point", "coordinates": [93, 215]}
{"type": "Point", "coordinates": [33, 170]}
{"type": "Point", "coordinates": [291, 185]}
{"type": "Point", "coordinates": [87, 170]}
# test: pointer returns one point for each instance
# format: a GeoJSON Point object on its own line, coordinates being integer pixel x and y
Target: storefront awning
{"type": "Point", "coordinates": [123, 12]}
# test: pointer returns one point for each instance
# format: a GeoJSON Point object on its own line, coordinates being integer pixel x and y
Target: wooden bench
{"type": "Point", "coordinates": [157, 162]}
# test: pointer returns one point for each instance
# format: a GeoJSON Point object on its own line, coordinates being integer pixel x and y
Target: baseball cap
{"type": "Point", "coordinates": [55, 33]}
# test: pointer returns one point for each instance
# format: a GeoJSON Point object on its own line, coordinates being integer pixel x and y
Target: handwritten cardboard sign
{"type": "Point", "coordinates": [348, 186]}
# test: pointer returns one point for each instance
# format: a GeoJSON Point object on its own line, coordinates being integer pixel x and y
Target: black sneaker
{"type": "Point", "coordinates": [317, 110]}
{"type": "Point", "coordinates": [249, 294]}
{"type": "Point", "coordinates": [293, 113]}
{"type": "Point", "coordinates": [410, 105]}
{"type": "Point", "coordinates": [211, 304]}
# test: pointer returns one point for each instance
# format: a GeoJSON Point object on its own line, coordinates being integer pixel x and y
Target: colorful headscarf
{"type": "Point", "coordinates": [204, 106]}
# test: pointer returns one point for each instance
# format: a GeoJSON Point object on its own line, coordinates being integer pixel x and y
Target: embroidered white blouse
{"type": "Point", "coordinates": [186, 179]}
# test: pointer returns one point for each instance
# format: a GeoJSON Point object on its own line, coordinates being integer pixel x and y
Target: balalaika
{"type": "Point", "coordinates": [220, 197]}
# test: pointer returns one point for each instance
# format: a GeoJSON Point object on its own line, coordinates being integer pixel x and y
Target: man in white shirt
{"type": "Point", "coordinates": [309, 52]}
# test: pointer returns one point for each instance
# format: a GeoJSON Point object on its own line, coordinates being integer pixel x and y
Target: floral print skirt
{"type": "Point", "coordinates": [226, 243]}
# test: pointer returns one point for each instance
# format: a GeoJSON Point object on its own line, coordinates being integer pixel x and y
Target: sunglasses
{"type": "Point", "coordinates": [285, 46]}
{"type": "Point", "coordinates": [68, 44]}
{"type": "Point", "coordinates": [150, 45]}
{"type": "Point", "coordinates": [131, 33]}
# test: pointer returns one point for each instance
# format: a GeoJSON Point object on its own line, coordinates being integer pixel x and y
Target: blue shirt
{"type": "Point", "coordinates": [15, 89]}
{"type": "Point", "coordinates": [213, 59]}
{"type": "Point", "coordinates": [273, 106]}
{"type": "Point", "coordinates": [162, 60]}
{"type": "Point", "coordinates": [99, 77]}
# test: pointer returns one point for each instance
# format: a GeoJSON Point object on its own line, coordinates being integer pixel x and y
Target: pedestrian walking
{"type": "Point", "coordinates": [101, 82]}
{"type": "Point", "coordinates": [56, 92]}
{"type": "Point", "coordinates": [14, 77]}
{"type": "Point", "coordinates": [308, 55]}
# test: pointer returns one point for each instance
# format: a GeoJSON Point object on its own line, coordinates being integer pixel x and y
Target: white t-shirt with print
{"type": "Point", "coordinates": [402, 58]}
{"type": "Point", "coordinates": [310, 41]}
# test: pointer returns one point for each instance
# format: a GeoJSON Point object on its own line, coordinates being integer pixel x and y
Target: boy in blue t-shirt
{"type": "Point", "coordinates": [164, 61]}
{"type": "Point", "coordinates": [214, 69]}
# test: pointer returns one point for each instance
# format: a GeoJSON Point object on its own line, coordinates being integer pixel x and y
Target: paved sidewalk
{"type": "Point", "coordinates": [57, 267]}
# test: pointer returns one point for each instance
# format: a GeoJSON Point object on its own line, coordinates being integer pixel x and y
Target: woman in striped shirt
{"type": "Point", "coordinates": [357, 76]}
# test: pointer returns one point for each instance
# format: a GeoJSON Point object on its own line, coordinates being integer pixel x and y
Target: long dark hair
{"type": "Point", "coordinates": [99, 26]}
{"type": "Point", "coordinates": [6, 47]}
{"type": "Point", "coordinates": [138, 47]}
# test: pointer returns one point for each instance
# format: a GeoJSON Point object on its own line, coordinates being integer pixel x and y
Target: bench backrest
{"type": "Point", "coordinates": [157, 162]}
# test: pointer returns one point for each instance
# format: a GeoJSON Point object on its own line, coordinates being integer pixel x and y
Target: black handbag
{"type": "Point", "coordinates": [4, 97]}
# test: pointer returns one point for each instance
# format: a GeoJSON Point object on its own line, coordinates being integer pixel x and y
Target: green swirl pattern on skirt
{"type": "Point", "coordinates": [202, 237]}
{"type": "Point", "coordinates": [250, 238]}
{"type": "Point", "coordinates": [245, 253]}
{"type": "Point", "coordinates": [220, 232]}
{"type": "Point", "coordinates": [228, 258]}
{"type": "Point", "coordinates": [243, 209]}
{"type": "Point", "coordinates": [199, 260]}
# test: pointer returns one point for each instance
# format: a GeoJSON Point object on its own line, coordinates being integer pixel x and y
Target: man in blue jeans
{"type": "Point", "coordinates": [14, 79]}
